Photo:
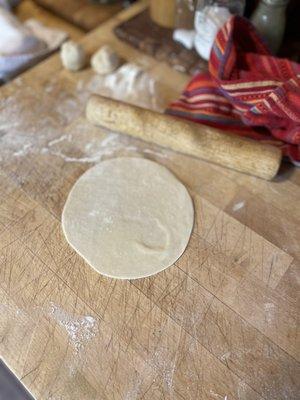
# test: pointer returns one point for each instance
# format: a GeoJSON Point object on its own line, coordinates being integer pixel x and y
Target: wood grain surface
{"type": "Point", "coordinates": [29, 9]}
{"type": "Point", "coordinates": [221, 324]}
{"type": "Point", "coordinates": [142, 33]}
{"type": "Point", "coordinates": [85, 14]}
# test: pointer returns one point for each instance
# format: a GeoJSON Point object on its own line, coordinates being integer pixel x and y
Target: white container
{"type": "Point", "coordinates": [210, 16]}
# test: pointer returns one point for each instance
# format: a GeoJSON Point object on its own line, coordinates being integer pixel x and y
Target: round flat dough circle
{"type": "Point", "coordinates": [128, 218]}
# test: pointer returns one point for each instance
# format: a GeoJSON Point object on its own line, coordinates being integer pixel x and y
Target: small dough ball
{"type": "Point", "coordinates": [73, 56]}
{"type": "Point", "coordinates": [105, 60]}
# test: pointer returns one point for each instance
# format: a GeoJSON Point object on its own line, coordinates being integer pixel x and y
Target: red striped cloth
{"type": "Point", "coordinates": [247, 90]}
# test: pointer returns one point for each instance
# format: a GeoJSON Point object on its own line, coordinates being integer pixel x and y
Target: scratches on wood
{"type": "Point", "coordinates": [219, 324]}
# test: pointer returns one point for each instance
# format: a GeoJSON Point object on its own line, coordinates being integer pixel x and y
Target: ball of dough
{"type": "Point", "coordinates": [73, 56]}
{"type": "Point", "coordinates": [105, 60]}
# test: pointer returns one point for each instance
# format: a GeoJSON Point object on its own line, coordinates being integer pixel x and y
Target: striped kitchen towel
{"type": "Point", "coordinates": [247, 91]}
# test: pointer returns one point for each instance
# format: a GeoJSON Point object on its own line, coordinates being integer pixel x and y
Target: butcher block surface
{"type": "Point", "coordinates": [220, 324]}
{"type": "Point", "coordinates": [85, 14]}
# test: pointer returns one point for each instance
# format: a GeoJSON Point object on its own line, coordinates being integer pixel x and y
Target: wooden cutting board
{"type": "Point", "coordinates": [85, 14]}
{"type": "Point", "coordinates": [28, 9]}
{"type": "Point", "coordinates": [150, 38]}
{"type": "Point", "coordinates": [219, 324]}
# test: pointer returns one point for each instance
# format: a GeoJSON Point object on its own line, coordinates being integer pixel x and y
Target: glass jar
{"type": "Point", "coordinates": [210, 16]}
{"type": "Point", "coordinates": [269, 20]}
{"type": "Point", "coordinates": [163, 12]}
{"type": "Point", "coordinates": [235, 7]}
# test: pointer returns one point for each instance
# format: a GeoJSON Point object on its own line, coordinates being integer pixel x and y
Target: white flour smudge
{"type": "Point", "coordinates": [80, 330]}
{"type": "Point", "coordinates": [130, 83]}
{"type": "Point", "coordinates": [8, 309]}
{"type": "Point", "coordinates": [269, 312]}
{"type": "Point", "coordinates": [238, 206]}
{"type": "Point", "coordinates": [168, 376]}
{"type": "Point", "coordinates": [165, 367]}
{"type": "Point", "coordinates": [97, 150]}
{"type": "Point", "coordinates": [215, 395]}
{"type": "Point", "coordinates": [155, 153]}
{"type": "Point", "coordinates": [218, 396]}
{"type": "Point", "coordinates": [23, 134]}
{"type": "Point", "coordinates": [225, 356]}
{"type": "Point", "coordinates": [92, 159]}
{"type": "Point", "coordinates": [97, 156]}
{"type": "Point", "coordinates": [134, 391]}
{"type": "Point", "coordinates": [60, 139]}
{"type": "Point", "coordinates": [24, 150]}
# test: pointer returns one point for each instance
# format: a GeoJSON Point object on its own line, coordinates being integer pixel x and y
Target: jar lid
{"type": "Point", "coordinates": [276, 2]}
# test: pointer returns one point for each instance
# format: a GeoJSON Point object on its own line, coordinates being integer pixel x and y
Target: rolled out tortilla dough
{"type": "Point", "coordinates": [128, 218]}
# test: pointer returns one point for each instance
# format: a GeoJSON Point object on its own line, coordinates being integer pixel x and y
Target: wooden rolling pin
{"type": "Point", "coordinates": [209, 144]}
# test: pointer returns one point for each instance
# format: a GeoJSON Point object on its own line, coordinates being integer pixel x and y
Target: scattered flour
{"type": "Point", "coordinates": [238, 206]}
{"type": "Point", "coordinates": [134, 392]}
{"type": "Point", "coordinates": [93, 213]}
{"type": "Point", "coordinates": [80, 330]}
{"type": "Point", "coordinates": [8, 309]}
{"type": "Point", "coordinates": [60, 139]}
{"type": "Point", "coordinates": [130, 83]}
{"type": "Point", "coordinates": [24, 150]}
{"type": "Point", "coordinates": [225, 356]}
{"type": "Point", "coordinates": [269, 312]}
{"type": "Point", "coordinates": [92, 159]}
{"type": "Point", "coordinates": [98, 149]}
{"type": "Point", "coordinates": [217, 396]}
{"type": "Point", "coordinates": [23, 134]}
{"type": "Point", "coordinates": [165, 366]}
{"type": "Point", "coordinates": [168, 376]}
